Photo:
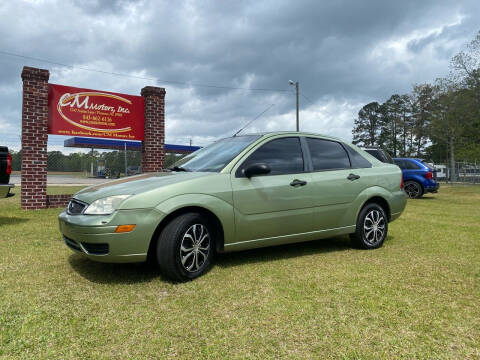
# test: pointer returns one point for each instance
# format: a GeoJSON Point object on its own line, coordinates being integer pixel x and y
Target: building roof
{"type": "Point", "coordinates": [98, 143]}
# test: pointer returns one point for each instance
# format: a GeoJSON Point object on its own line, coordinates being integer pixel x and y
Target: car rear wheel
{"type": "Point", "coordinates": [413, 189]}
{"type": "Point", "coordinates": [185, 247]}
{"type": "Point", "coordinates": [372, 227]}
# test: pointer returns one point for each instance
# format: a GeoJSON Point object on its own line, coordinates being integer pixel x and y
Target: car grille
{"type": "Point", "coordinates": [72, 244]}
{"type": "Point", "coordinates": [76, 207]}
{"type": "Point", "coordinates": [89, 248]}
{"type": "Point", "coordinates": [96, 249]}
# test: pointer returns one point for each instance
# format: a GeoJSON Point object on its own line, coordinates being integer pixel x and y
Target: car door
{"type": "Point", "coordinates": [276, 204]}
{"type": "Point", "coordinates": [335, 184]}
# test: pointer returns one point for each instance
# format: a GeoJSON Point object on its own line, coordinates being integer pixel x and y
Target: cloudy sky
{"type": "Point", "coordinates": [343, 53]}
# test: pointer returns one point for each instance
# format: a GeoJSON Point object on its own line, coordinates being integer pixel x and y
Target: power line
{"type": "Point", "coordinates": [306, 98]}
{"type": "Point", "coordinates": [140, 77]}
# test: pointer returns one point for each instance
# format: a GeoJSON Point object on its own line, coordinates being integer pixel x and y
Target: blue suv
{"type": "Point", "coordinates": [418, 177]}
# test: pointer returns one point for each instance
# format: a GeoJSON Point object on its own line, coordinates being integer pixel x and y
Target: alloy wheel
{"type": "Point", "coordinates": [413, 190]}
{"type": "Point", "coordinates": [374, 227]}
{"type": "Point", "coordinates": [195, 247]}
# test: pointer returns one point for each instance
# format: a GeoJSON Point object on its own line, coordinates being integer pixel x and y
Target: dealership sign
{"type": "Point", "coordinates": [83, 112]}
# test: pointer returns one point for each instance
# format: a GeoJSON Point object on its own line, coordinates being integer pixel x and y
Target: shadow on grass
{"type": "Point", "coordinates": [282, 252]}
{"type": "Point", "coordinates": [12, 220]}
{"type": "Point", "coordinates": [104, 273]}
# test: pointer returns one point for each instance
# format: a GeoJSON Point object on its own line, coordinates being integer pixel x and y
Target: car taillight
{"type": "Point", "coordinates": [429, 175]}
{"type": "Point", "coordinates": [9, 164]}
{"type": "Point", "coordinates": [401, 183]}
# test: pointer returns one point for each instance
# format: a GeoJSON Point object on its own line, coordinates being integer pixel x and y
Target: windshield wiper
{"type": "Point", "coordinates": [178, 168]}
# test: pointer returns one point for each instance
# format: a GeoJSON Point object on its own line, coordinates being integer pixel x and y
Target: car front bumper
{"type": "Point", "coordinates": [94, 236]}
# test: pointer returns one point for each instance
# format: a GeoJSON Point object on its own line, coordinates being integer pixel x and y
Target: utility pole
{"type": "Point", "coordinates": [297, 92]}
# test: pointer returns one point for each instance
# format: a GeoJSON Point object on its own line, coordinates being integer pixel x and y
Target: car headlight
{"type": "Point", "coordinates": [105, 206]}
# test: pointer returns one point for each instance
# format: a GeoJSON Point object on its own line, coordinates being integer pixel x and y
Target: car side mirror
{"type": "Point", "coordinates": [257, 169]}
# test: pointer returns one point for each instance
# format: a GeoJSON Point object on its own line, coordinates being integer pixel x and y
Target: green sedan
{"type": "Point", "coordinates": [239, 193]}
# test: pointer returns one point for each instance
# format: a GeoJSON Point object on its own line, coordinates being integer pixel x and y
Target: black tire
{"type": "Point", "coordinates": [370, 215]}
{"type": "Point", "coordinates": [190, 261]}
{"type": "Point", "coordinates": [413, 189]}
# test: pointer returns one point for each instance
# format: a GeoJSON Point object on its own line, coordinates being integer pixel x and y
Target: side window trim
{"type": "Point", "coordinates": [307, 157]}
{"type": "Point", "coordinates": [348, 155]}
{"type": "Point", "coordinates": [323, 170]}
{"type": "Point", "coordinates": [239, 173]}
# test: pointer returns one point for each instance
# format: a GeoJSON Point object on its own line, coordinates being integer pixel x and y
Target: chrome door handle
{"type": "Point", "coordinates": [352, 177]}
{"type": "Point", "coordinates": [297, 182]}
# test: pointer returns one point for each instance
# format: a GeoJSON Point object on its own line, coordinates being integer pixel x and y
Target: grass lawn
{"type": "Point", "coordinates": [416, 297]}
{"type": "Point", "coordinates": [58, 190]}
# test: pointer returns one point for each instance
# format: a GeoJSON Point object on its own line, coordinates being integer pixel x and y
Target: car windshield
{"type": "Point", "coordinates": [214, 157]}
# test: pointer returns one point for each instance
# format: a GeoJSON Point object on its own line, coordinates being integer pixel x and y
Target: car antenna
{"type": "Point", "coordinates": [255, 118]}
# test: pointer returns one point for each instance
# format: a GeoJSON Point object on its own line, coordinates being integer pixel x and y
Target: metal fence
{"type": "Point", "coordinates": [463, 172]}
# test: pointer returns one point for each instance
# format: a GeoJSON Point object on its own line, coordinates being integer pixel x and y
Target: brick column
{"type": "Point", "coordinates": [153, 153]}
{"type": "Point", "coordinates": [34, 138]}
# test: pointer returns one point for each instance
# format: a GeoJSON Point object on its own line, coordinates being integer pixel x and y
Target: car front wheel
{"type": "Point", "coordinates": [372, 227]}
{"type": "Point", "coordinates": [185, 247]}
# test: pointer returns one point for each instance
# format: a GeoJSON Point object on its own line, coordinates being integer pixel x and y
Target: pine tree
{"type": "Point", "coordinates": [366, 126]}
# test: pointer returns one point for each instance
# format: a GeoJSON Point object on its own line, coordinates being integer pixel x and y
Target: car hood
{"type": "Point", "coordinates": [133, 185]}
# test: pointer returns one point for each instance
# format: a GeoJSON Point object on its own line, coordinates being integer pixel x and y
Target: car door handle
{"type": "Point", "coordinates": [297, 182]}
{"type": "Point", "coordinates": [353, 177]}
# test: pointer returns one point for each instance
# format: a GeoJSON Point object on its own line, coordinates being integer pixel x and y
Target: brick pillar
{"type": "Point", "coordinates": [153, 153]}
{"type": "Point", "coordinates": [34, 138]}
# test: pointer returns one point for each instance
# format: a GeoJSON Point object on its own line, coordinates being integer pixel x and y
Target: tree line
{"type": "Point", "coordinates": [439, 122]}
{"type": "Point", "coordinates": [81, 162]}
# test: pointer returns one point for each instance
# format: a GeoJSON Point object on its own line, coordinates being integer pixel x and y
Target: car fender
{"type": "Point", "coordinates": [219, 207]}
{"type": "Point", "coordinates": [366, 195]}
{"type": "Point", "coordinates": [415, 177]}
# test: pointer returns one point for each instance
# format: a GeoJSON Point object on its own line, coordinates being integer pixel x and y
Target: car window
{"type": "Point", "coordinates": [388, 158]}
{"type": "Point", "coordinates": [429, 166]}
{"type": "Point", "coordinates": [410, 165]}
{"type": "Point", "coordinates": [400, 163]}
{"type": "Point", "coordinates": [356, 159]}
{"type": "Point", "coordinates": [406, 164]}
{"type": "Point", "coordinates": [376, 154]}
{"type": "Point", "coordinates": [283, 156]}
{"type": "Point", "coordinates": [327, 155]}
{"type": "Point", "coordinates": [381, 155]}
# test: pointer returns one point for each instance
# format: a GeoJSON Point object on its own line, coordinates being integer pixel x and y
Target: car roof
{"type": "Point", "coordinates": [405, 158]}
{"type": "Point", "coordinates": [293, 133]}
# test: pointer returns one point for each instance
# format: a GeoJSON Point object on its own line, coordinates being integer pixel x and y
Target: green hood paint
{"type": "Point", "coordinates": [137, 184]}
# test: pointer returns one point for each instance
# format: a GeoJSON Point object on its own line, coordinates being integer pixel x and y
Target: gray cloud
{"type": "Point", "coordinates": [344, 53]}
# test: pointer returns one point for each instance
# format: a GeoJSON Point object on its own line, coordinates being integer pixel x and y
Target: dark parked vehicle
{"type": "Point", "coordinates": [133, 170]}
{"type": "Point", "coordinates": [379, 154]}
{"type": "Point", "coordinates": [418, 177]}
{"type": "Point", "coordinates": [5, 171]}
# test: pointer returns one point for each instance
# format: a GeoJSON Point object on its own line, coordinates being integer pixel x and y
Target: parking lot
{"type": "Point", "coordinates": [416, 297]}
{"type": "Point", "coordinates": [63, 180]}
